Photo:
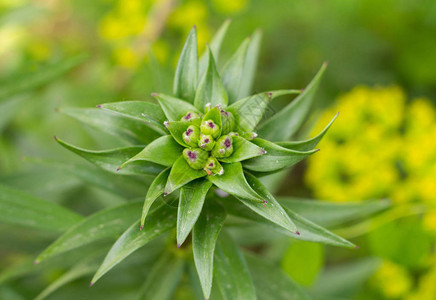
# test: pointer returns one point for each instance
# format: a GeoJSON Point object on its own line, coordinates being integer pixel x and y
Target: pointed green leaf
{"type": "Point", "coordinates": [215, 46]}
{"type": "Point", "coordinates": [185, 80]}
{"type": "Point", "coordinates": [177, 128]}
{"type": "Point", "coordinates": [309, 144]}
{"type": "Point", "coordinates": [105, 224]}
{"type": "Point", "coordinates": [234, 182]}
{"type": "Point", "coordinates": [285, 123]}
{"type": "Point", "coordinates": [111, 160]}
{"type": "Point", "coordinates": [145, 112]}
{"type": "Point", "coordinates": [272, 283]}
{"type": "Point", "coordinates": [192, 197]}
{"type": "Point", "coordinates": [204, 237]}
{"type": "Point", "coordinates": [231, 271]}
{"type": "Point", "coordinates": [158, 222]}
{"type": "Point", "coordinates": [174, 108]}
{"type": "Point", "coordinates": [181, 174]}
{"type": "Point", "coordinates": [271, 210]}
{"type": "Point", "coordinates": [155, 190]}
{"type": "Point", "coordinates": [22, 209]}
{"type": "Point", "coordinates": [276, 157]}
{"type": "Point", "coordinates": [250, 64]}
{"type": "Point", "coordinates": [249, 111]}
{"type": "Point", "coordinates": [210, 89]}
{"type": "Point", "coordinates": [163, 279]}
{"type": "Point", "coordinates": [214, 114]}
{"type": "Point", "coordinates": [232, 74]}
{"type": "Point", "coordinates": [114, 124]}
{"type": "Point", "coordinates": [163, 151]}
{"type": "Point", "coordinates": [242, 150]}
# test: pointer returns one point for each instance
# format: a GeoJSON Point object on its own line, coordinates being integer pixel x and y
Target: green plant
{"type": "Point", "coordinates": [206, 165]}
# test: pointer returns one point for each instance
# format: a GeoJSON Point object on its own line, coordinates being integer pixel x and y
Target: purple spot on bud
{"type": "Point", "coordinates": [211, 124]}
{"type": "Point", "coordinates": [165, 194]}
{"type": "Point", "coordinates": [142, 227]}
{"type": "Point", "coordinates": [270, 94]}
{"type": "Point", "coordinates": [192, 155]}
{"type": "Point", "coordinates": [265, 201]}
{"type": "Point", "coordinates": [211, 165]}
{"type": "Point", "coordinates": [187, 117]}
{"type": "Point", "coordinates": [189, 131]}
{"type": "Point", "coordinates": [225, 113]}
{"type": "Point", "coordinates": [297, 232]}
{"type": "Point", "coordinates": [227, 143]}
{"type": "Point", "coordinates": [262, 151]}
{"type": "Point", "coordinates": [206, 140]}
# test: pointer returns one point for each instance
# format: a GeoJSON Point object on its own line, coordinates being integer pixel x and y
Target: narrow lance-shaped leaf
{"type": "Point", "coordinates": [249, 111]}
{"type": "Point", "coordinates": [232, 73]}
{"type": "Point", "coordinates": [22, 209]}
{"type": "Point", "coordinates": [308, 144]}
{"type": "Point", "coordinates": [234, 183]}
{"type": "Point", "coordinates": [215, 46]}
{"type": "Point", "coordinates": [181, 173]}
{"type": "Point", "coordinates": [174, 108]}
{"type": "Point", "coordinates": [111, 160]}
{"type": "Point", "coordinates": [204, 237]}
{"type": "Point", "coordinates": [285, 123]}
{"type": "Point", "coordinates": [155, 190]}
{"type": "Point", "coordinates": [108, 223]}
{"type": "Point", "coordinates": [231, 271]}
{"type": "Point", "coordinates": [192, 197]}
{"type": "Point", "coordinates": [276, 157]}
{"type": "Point", "coordinates": [242, 150]}
{"type": "Point", "coordinates": [141, 111]}
{"type": "Point", "coordinates": [114, 124]}
{"type": "Point", "coordinates": [250, 64]}
{"type": "Point", "coordinates": [210, 89]}
{"type": "Point", "coordinates": [163, 151]}
{"type": "Point", "coordinates": [159, 222]}
{"type": "Point", "coordinates": [185, 80]}
{"type": "Point", "coordinates": [177, 128]}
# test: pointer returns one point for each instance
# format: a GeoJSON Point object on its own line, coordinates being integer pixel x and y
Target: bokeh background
{"type": "Point", "coordinates": [381, 78]}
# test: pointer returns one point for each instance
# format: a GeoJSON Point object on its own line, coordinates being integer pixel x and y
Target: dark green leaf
{"type": "Point", "coordinates": [177, 128]}
{"type": "Point", "coordinates": [250, 65]}
{"type": "Point", "coordinates": [145, 112]}
{"type": "Point", "coordinates": [185, 80]}
{"type": "Point", "coordinates": [181, 174]}
{"type": "Point", "coordinates": [22, 209]}
{"type": "Point", "coordinates": [192, 197]}
{"type": "Point", "coordinates": [159, 222]}
{"type": "Point", "coordinates": [309, 144]}
{"type": "Point", "coordinates": [285, 123]}
{"type": "Point", "coordinates": [276, 157]}
{"type": "Point", "coordinates": [204, 237]}
{"type": "Point", "coordinates": [163, 151]}
{"type": "Point", "coordinates": [233, 182]}
{"type": "Point", "coordinates": [231, 271]}
{"type": "Point", "coordinates": [114, 124]}
{"type": "Point", "coordinates": [105, 224]}
{"type": "Point", "coordinates": [174, 108]}
{"type": "Point", "coordinates": [242, 150]}
{"type": "Point", "coordinates": [111, 160]}
{"type": "Point", "coordinates": [210, 89]}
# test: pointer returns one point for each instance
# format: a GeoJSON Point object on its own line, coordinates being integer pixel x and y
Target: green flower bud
{"type": "Point", "coordinates": [195, 157]}
{"type": "Point", "coordinates": [206, 142]}
{"type": "Point", "coordinates": [223, 147]}
{"type": "Point", "coordinates": [232, 134]}
{"type": "Point", "coordinates": [191, 135]}
{"type": "Point", "coordinates": [249, 135]}
{"type": "Point", "coordinates": [192, 117]}
{"type": "Point", "coordinates": [228, 122]}
{"type": "Point", "coordinates": [213, 166]}
{"type": "Point", "coordinates": [210, 128]}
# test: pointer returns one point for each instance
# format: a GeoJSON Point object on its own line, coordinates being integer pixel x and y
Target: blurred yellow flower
{"type": "Point", "coordinates": [392, 280]}
{"type": "Point", "coordinates": [229, 6]}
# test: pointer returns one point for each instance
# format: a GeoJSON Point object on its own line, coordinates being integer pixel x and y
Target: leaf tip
{"type": "Point", "coordinates": [98, 106]}
{"type": "Point", "coordinates": [56, 138]}
{"type": "Point", "coordinates": [356, 247]}
{"type": "Point", "coordinates": [325, 64]}
{"type": "Point", "coordinates": [35, 262]}
{"type": "Point", "coordinates": [155, 94]}
{"type": "Point", "coordinates": [119, 168]}
{"type": "Point", "coordinates": [166, 194]}
{"type": "Point", "coordinates": [91, 284]}
{"type": "Point", "coordinates": [166, 124]}
{"type": "Point", "coordinates": [262, 151]}
{"type": "Point", "coordinates": [179, 245]}
{"type": "Point", "coordinates": [297, 232]}
{"type": "Point", "coordinates": [141, 227]}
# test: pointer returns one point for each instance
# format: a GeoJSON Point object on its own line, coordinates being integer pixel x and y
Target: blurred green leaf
{"type": "Point", "coordinates": [204, 236]}
{"type": "Point", "coordinates": [158, 222]}
{"type": "Point", "coordinates": [250, 64]}
{"type": "Point", "coordinates": [276, 157]}
{"type": "Point", "coordinates": [233, 182]}
{"type": "Point", "coordinates": [22, 209]}
{"type": "Point", "coordinates": [145, 112]}
{"type": "Point", "coordinates": [185, 80]}
{"type": "Point", "coordinates": [192, 197]}
{"type": "Point", "coordinates": [242, 150]}
{"type": "Point", "coordinates": [174, 108]}
{"type": "Point", "coordinates": [272, 283]}
{"type": "Point", "coordinates": [210, 89]}
{"type": "Point", "coordinates": [114, 124]}
{"type": "Point", "coordinates": [111, 160]}
{"type": "Point", "coordinates": [181, 174]}
{"type": "Point", "coordinates": [285, 123]}
{"type": "Point", "coordinates": [105, 224]}
{"type": "Point", "coordinates": [231, 271]}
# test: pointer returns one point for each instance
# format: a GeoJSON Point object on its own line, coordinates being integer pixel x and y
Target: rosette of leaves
{"type": "Point", "coordinates": [206, 148]}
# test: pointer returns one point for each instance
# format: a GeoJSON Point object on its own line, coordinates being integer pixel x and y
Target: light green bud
{"type": "Point", "coordinates": [213, 166]}
{"type": "Point", "coordinates": [210, 128]}
{"type": "Point", "coordinates": [223, 147]}
{"type": "Point", "coordinates": [192, 117]}
{"type": "Point", "coordinates": [228, 122]}
{"type": "Point", "coordinates": [191, 135]}
{"type": "Point", "coordinates": [195, 157]}
{"type": "Point", "coordinates": [206, 142]}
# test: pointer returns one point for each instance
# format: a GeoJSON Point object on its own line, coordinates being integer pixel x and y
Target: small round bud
{"type": "Point", "coordinates": [210, 128]}
{"type": "Point", "coordinates": [195, 157]}
{"type": "Point", "coordinates": [228, 122]}
{"type": "Point", "coordinates": [206, 142]}
{"type": "Point", "coordinates": [223, 147]}
{"type": "Point", "coordinates": [213, 166]}
{"type": "Point", "coordinates": [191, 135]}
{"type": "Point", "coordinates": [192, 117]}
